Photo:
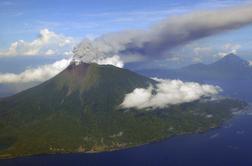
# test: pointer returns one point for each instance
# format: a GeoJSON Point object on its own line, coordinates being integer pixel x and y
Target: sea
{"type": "Point", "coordinates": [229, 145]}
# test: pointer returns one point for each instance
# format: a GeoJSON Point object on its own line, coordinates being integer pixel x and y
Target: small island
{"type": "Point", "coordinates": [98, 132]}
{"type": "Point", "coordinates": [77, 111]}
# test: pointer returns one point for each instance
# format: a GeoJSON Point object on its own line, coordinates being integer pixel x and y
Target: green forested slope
{"type": "Point", "coordinates": [77, 111]}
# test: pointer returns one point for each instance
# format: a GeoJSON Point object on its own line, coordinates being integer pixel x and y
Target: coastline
{"type": "Point", "coordinates": [233, 115]}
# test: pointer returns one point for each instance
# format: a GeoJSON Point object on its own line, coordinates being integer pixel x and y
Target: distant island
{"type": "Point", "coordinates": [229, 68]}
{"type": "Point", "coordinates": [77, 111]}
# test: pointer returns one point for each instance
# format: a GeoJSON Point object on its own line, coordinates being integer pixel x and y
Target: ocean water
{"type": "Point", "coordinates": [229, 145]}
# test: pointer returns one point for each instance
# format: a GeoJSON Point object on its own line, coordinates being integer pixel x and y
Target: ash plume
{"type": "Point", "coordinates": [159, 39]}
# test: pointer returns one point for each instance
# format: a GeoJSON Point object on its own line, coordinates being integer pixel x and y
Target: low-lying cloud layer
{"type": "Point", "coordinates": [45, 72]}
{"type": "Point", "coordinates": [166, 93]}
{"type": "Point", "coordinates": [38, 74]}
{"type": "Point", "coordinates": [168, 34]}
{"type": "Point", "coordinates": [134, 44]}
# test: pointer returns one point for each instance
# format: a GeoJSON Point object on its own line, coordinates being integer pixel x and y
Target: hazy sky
{"type": "Point", "coordinates": [80, 18]}
{"type": "Point", "coordinates": [45, 31]}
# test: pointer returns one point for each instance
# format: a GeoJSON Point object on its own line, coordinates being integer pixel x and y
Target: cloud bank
{"type": "Point", "coordinates": [39, 74]}
{"type": "Point", "coordinates": [166, 35]}
{"type": "Point", "coordinates": [166, 93]}
{"type": "Point", "coordinates": [45, 72]}
{"type": "Point", "coordinates": [111, 48]}
{"type": "Point", "coordinates": [47, 43]}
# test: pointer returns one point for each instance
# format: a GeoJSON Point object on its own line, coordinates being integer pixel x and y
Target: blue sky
{"type": "Point", "coordinates": [80, 18]}
{"type": "Point", "coordinates": [76, 19]}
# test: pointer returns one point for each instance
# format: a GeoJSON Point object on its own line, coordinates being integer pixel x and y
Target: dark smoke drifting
{"type": "Point", "coordinates": [166, 35]}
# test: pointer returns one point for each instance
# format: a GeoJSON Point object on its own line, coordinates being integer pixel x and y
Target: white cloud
{"type": "Point", "coordinates": [38, 74]}
{"type": "Point", "coordinates": [160, 39]}
{"type": "Point", "coordinates": [45, 72]}
{"type": "Point", "coordinates": [114, 60]}
{"type": "Point", "coordinates": [229, 48]}
{"type": "Point", "coordinates": [250, 63]}
{"type": "Point", "coordinates": [168, 92]}
{"type": "Point", "coordinates": [47, 43]}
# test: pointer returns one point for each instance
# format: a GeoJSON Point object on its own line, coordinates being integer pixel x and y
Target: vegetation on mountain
{"type": "Point", "coordinates": [77, 111]}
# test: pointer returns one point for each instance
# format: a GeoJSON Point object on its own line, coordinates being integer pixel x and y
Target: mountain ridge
{"type": "Point", "coordinates": [77, 111]}
{"type": "Point", "coordinates": [229, 67]}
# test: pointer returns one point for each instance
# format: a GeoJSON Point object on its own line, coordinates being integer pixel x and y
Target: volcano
{"type": "Point", "coordinates": [229, 68]}
{"type": "Point", "coordinates": [78, 111]}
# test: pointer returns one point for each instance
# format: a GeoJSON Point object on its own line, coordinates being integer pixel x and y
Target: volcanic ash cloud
{"type": "Point", "coordinates": [159, 39]}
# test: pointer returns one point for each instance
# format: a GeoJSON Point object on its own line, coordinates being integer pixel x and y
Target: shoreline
{"type": "Point", "coordinates": [237, 113]}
